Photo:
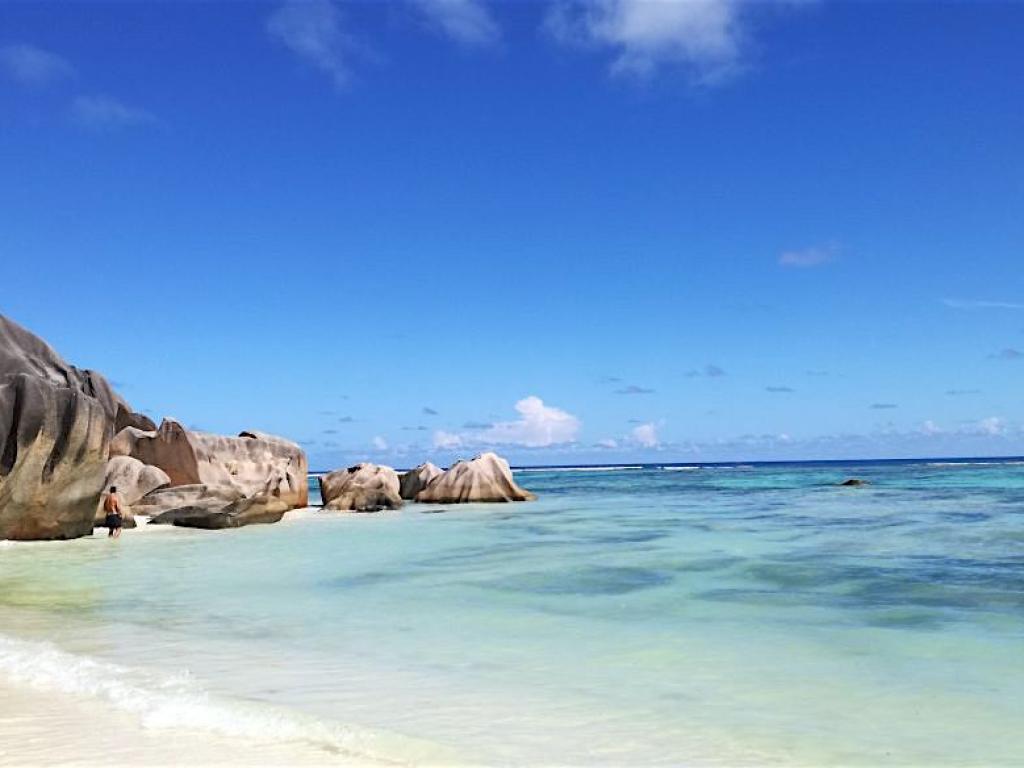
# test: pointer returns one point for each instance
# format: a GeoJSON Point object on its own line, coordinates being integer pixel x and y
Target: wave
{"type": "Point", "coordinates": [177, 701]}
{"type": "Point", "coordinates": [577, 469]}
{"type": "Point", "coordinates": [974, 464]}
{"type": "Point", "coordinates": [681, 469]}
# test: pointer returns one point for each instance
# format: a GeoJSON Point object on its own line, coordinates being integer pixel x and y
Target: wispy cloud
{"type": "Point", "coordinates": [813, 256]}
{"type": "Point", "coordinates": [314, 31]}
{"type": "Point", "coordinates": [883, 406]}
{"type": "Point", "coordinates": [710, 370]}
{"type": "Point", "coordinates": [981, 304]}
{"type": "Point", "coordinates": [701, 35]}
{"type": "Point", "coordinates": [32, 66]}
{"type": "Point", "coordinates": [1007, 354]}
{"type": "Point", "coordinates": [428, 411]}
{"type": "Point", "coordinates": [538, 426]}
{"type": "Point", "coordinates": [633, 389]}
{"type": "Point", "coordinates": [102, 113]}
{"type": "Point", "coordinates": [467, 22]}
{"type": "Point", "coordinates": [779, 389]}
{"type": "Point", "coordinates": [962, 392]}
{"type": "Point", "coordinates": [379, 443]}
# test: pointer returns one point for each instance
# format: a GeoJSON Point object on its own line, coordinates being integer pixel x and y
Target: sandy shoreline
{"type": "Point", "coordinates": [40, 728]}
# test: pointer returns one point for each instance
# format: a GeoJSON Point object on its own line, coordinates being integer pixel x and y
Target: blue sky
{"type": "Point", "coordinates": [631, 230]}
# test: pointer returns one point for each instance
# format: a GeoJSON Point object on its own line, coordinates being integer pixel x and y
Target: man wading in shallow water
{"type": "Point", "coordinates": [112, 506]}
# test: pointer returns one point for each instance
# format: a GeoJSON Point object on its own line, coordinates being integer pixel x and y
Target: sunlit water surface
{"type": "Point", "coordinates": [653, 616]}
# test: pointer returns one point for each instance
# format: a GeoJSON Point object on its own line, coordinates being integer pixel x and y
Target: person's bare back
{"type": "Point", "coordinates": [112, 506]}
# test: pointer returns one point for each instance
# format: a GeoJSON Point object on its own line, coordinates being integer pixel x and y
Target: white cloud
{"type": "Point", "coordinates": [30, 65]}
{"type": "Point", "coordinates": [608, 442]}
{"type": "Point", "coordinates": [644, 34]}
{"type": "Point", "coordinates": [992, 426]}
{"type": "Point", "coordinates": [380, 443]}
{"type": "Point", "coordinates": [313, 30]}
{"type": "Point", "coordinates": [813, 256]}
{"type": "Point", "coordinates": [931, 428]}
{"type": "Point", "coordinates": [447, 440]}
{"type": "Point", "coordinates": [538, 426]}
{"type": "Point", "coordinates": [646, 435]}
{"type": "Point", "coordinates": [104, 113]}
{"type": "Point", "coordinates": [465, 21]}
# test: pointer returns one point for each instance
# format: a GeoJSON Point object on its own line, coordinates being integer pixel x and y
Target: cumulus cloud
{"type": "Point", "coordinates": [380, 443]}
{"type": "Point", "coordinates": [447, 440]}
{"type": "Point", "coordinates": [929, 427]}
{"type": "Point", "coordinates": [703, 35]}
{"type": "Point", "coordinates": [102, 113]}
{"type": "Point", "coordinates": [646, 435]}
{"type": "Point", "coordinates": [538, 426]}
{"type": "Point", "coordinates": [607, 443]}
{"type": "Point", "coordinates": [314, 31]}
{"type": "Point", "coordinates": [465, 21]}
{"type": "Point", "coordinates": [991, 426]}
{"type": "Point", "coordinates": [29, 65]}
{"type": "Point", "coordinates": [813, 256]}
{"type": "Point", "coordinates": [633, 389]}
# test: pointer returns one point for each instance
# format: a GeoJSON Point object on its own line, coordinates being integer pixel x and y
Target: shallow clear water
{"type": "Point", "coordinates": [654, 616]}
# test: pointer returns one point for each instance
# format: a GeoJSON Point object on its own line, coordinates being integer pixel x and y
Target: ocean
{"type": "Point", "coordinates": [645, 615]}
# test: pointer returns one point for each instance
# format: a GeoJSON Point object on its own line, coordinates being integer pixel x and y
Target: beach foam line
{"type": "Point", "coordinates": [681, 469]}
{"type": "Point", "coordinates": [176, 701]}
{"type": "Point", "coordinates": [974, 464]}
{"type": "Point", "coordinates": [576, 469]}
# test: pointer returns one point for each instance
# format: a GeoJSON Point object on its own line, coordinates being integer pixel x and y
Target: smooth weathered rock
{"type": "Point", "coordinates": [53, 452]}
{"type": "Point", "coordinates": [252, 463]}
{"type": "Point", "coordinates": [126, 418]}
{"type": "Point", "coordinates": [362, 488]}
{"type": "Point", "coordinates": [55, 426]}
{"type": "Point", "coordinates": [255, 510]}
{"type": "Point", "coordinates": [415, 480]}
{"type": "Point", "coordinates": [486, 477]}
{"type": "Point", "coordinates": [133, 480]}
{"type": "Point", "coordinates": [163, 500]}
{"type": "Point", "coordinates": [21, 351]}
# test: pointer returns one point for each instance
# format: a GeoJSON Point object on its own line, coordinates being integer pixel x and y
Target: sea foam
{"type": "Point", "coordinates": [177, 701]}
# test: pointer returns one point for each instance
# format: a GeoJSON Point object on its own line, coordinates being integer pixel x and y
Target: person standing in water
{"type": "Point", "coordinates": [115, 519]}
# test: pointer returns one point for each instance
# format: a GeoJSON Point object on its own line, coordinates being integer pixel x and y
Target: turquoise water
{"type": "Point", "coordinates": [645, 616]}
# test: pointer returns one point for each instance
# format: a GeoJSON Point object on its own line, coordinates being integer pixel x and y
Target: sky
{"type": "Point", "coordinates": [630, 230]}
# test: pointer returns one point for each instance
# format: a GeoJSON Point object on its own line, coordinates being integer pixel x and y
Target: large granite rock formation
{"type": "Point", "coordinates": [415, 480]}
{"type": "Point", "coordinates": [252, 463]}
{"type": "Point", "coordinates": [55, 426]}
{"type": "Point", "coordinates": [362, 488]}
{"type": "Point", "coordinates": [486, 477]}
{"type": "Point", "coordinates": [53, 450]}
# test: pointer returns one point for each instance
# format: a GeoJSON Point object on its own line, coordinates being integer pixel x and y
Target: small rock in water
{"type": "Point", "coordinates": [854, 482]}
